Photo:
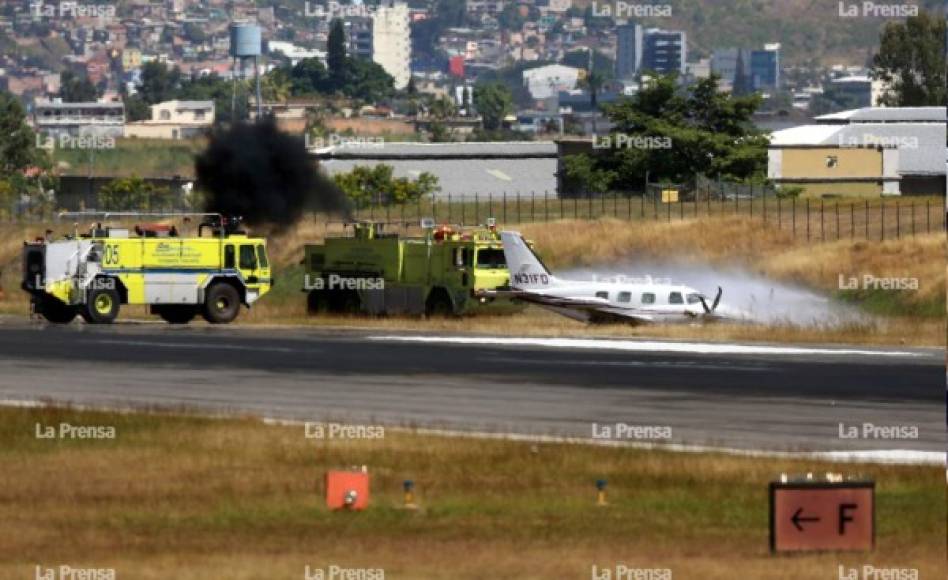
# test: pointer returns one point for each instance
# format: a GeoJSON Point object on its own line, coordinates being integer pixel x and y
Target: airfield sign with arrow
{"type": "Point", "coordinates": [810, 515]}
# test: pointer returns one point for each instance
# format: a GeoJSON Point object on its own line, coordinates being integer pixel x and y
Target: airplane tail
{"type": "Point", "coordinates": [527, 271]}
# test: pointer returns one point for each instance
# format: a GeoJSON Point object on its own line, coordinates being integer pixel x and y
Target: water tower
{"type": "Point", "coordinates": [245, 43]}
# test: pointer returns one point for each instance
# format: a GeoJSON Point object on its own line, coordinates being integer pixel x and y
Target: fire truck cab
{"type": "Point", "coordinates": [93, 274]}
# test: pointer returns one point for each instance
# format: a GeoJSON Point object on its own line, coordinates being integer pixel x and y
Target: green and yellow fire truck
{"type": "Point", "coordinates": [441, 272]}
{"type": "Point", "coordinates": [92, 274]}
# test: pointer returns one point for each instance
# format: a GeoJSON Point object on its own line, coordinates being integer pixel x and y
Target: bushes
{"type": "Point", "coordinates": [366, 185]}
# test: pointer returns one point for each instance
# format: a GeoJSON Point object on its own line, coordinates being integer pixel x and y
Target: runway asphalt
{"type": "Point", "coordinates": [771, 399]}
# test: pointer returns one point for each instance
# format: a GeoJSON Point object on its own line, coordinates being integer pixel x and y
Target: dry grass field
{"type": "Point", "coordinates": [180, 496]}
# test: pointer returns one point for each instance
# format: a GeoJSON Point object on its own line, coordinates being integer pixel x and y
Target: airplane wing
{"type": "Point", "coordinates": [594, 308]}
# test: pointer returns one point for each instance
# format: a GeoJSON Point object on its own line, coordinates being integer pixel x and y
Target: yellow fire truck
{"type": "Point", "coordinates": [92, 274]}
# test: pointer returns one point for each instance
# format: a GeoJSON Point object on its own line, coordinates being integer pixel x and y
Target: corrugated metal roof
{"type": "Point", "coordinates": [467, 177]}
{"type": "Point", "coordinates": [386, 150]}
{"type": "Point", "coordinates": [887, 115]}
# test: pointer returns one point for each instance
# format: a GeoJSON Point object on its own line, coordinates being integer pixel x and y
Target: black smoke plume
{"type": "Point", "coordinates": [264, 175]}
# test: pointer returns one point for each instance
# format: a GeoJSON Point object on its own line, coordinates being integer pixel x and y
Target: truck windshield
{"type": "Point", "coordinates": [491, 258]}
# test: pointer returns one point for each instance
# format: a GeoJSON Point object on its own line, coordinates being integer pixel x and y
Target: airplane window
{"type": "Point", "coordinates": [625, 296]}
{"type": "Point", "coordinates": [694, 298]}
{"type": "Point", "coordinates": [648, 298]}
{"type": "Point", "coordinates": [675, 298]}
{"type": "Point", "coordinates": [604, 295]}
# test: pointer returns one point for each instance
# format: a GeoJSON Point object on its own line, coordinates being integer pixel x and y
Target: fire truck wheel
{"type": "Point", "coordinates": [222, 304]}
{"type": "Point", "coordinates": [351, 303]}
{"type": "Point", "coordinates": [439, 304]}
{"type": "Point", "coordinates": [176, 314]}
{"type": "Point", "coordinates": [317, 302]}
{"type": "Point", "coordinates": [56, 312]}
{"type": "Point", "coordinates": [101, 307]}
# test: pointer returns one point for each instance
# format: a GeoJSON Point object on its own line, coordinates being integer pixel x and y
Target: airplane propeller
{"type": "Point", "coordinates": [714, 305]}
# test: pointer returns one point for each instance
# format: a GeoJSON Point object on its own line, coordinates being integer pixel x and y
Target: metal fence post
{"type": "Point", "coordinates": [822, 224]}
{"type": "Point", "coordinates": [793, 216]}
{"type": "Point", "coordinates": [882, 223]}
{"type": "Point", "coordinates": [866, 215]}
{"type": "Point", "coordinates": [533, 207]}
{"type": "Point", "coordinates": [807, 220]}
{"type": "Point", "coordinates": [764, 187]}
{"type": "Point", "coordinates": [837, 220]}
{"type": "Point", "coordinates": [505, 208]}
{"type": "Point", "coordinates": [898, 220]}
{"type": "Point", "coordinates": [852, 221]}
{"type": "Point", "coordinates": [913, 219]}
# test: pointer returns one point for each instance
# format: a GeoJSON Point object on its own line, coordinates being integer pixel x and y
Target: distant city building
{"type": "Point", "coordinates": [761, 68]}
{"type": "Point", "coordinates": [131, 59]}
{"type": "Point", "coordinates": [724, 64]}
{"type": "Point", "coordinates": [55, 118]}
{"type": "Point", "coordinates": [628, 51]}
{"type": "Point", "coordinates": [854, 89]}
{"type": "Point", "coordinates": [391, 41]}
{"type": "Point", "coordinates": [664, 51]}
{"type": "Point", "coordinates": [870, 151]}
{"type": "Point", "coordinates": [547, 81]}
{"type": "Point", "coordinates": [294, 53]}
{"type": "Point", "coordinates": [700, 69]}
{"type": "Point", "coordinates": [456, 66]}
{"type": "Point", "coordinates": [384, 38]}
{"type": "Point", "coordinates": [491, 7]}
{"type": "Point", "coordinates": [360, 37]}
{"type": "Point", "coordinates": [174, 120]}
{"type": "Point", "coordinates": [765, 68]}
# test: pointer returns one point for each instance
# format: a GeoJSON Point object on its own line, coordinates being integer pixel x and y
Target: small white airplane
{"type": "Point", "coordinates": [597, 301]}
